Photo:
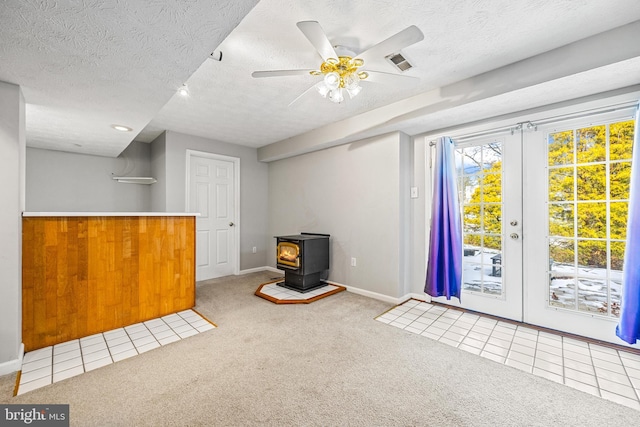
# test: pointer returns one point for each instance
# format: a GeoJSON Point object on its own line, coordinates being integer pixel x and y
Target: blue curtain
{"type": "Point", "coordinates": [629, 327]}
{"type": "Point", "coordinates": [444, 265]}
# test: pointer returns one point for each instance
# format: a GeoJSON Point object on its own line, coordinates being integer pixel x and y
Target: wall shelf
{"type": "Point", "coordinates": [135, 179]}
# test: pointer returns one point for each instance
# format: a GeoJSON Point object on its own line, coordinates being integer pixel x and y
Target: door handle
{"type": "Point", "coordinates": [231, 224]}
{"type": "Point", "coordinates": [514, 236]}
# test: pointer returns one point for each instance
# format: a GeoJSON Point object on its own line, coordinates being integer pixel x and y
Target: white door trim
{"type": "Point", "coordinates": [509, 304]}
{"type": "Point", "coordinates": [236, 201]}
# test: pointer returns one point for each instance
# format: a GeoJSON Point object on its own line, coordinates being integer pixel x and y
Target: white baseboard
{"type": "Point", "coordinates": [259, 269]}
{"type": "Point", "coordinates": [370, 294]}
{"type": "Point", "coordinates": [382, 297]}
{"type": "Point", "coordinates": [420, 297]}
{"type": "Point", "coordinates": [12, 365]}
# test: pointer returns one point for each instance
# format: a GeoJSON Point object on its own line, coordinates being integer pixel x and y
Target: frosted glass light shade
{"type": "Point", "coordinates": [332, 80]}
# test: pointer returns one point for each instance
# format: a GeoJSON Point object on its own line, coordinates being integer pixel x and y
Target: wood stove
{"type": "Point", "coordinates": [305, 260]}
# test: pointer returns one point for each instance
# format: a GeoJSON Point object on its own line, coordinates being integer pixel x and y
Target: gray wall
{"type": "Point", "coordinates": [418, 215]}
{"type": "Point", "coordinates": [67, 182]}
{"type": "Point", "coordinates": [253, 188]}
{"type": "Point", "coordinates": [357, 193]}
{"type": "Point", "coordinates": [159, 172]}
{"type": "Point", "coordinates": [12, 160]}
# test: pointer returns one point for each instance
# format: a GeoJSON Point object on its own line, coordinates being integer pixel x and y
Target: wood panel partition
{"type": "Point", "coordinates": [83, 275]}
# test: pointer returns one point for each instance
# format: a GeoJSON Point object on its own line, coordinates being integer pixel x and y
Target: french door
{"type": "Point", "coordinates": [490, 194]}
{"type": "Point", "coordinates": [577, 179]}
{"type": "Point", "coordinates": [544, 223]}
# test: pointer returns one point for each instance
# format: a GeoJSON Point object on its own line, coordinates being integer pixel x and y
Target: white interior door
{"type": "Point", "coordinates": [577, 188]}
{"type": "Point", "coordinates": [490, 186]}
{"type": "Point", "coordinates": [212, 194]}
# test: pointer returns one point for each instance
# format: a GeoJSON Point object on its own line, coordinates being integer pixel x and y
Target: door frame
{"type": "Point", "coordinates": [509, 304]}
{"type": "Point", "coordinates": [577, 109]}
{"type": "Point", "coordinates": [236, 196]}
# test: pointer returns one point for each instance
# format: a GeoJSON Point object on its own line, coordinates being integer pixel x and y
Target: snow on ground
{"type": "Point", "coordinates": [592, 288]}
{"type": "Point", "coordinates": [479, 271]}
{"type": "Point", "coordinates": [480, 274]}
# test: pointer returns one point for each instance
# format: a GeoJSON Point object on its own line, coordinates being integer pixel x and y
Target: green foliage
{"type": "Point", "coordinates": [583, 171]}
{"type": "Point", "coordinates": [483, 210]}
{"type": "Point", "coordinates": [579, 167]}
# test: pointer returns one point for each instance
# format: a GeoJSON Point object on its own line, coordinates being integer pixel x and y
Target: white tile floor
{"type": "Point", "coordinates": [56, 363]}
{"type": "Point", "coordinates": [602, 371]}
{"type": "Point", "coordinates": [279, 292]}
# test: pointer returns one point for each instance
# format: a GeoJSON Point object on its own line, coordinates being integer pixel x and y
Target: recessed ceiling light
{"type": "Point", "coordinates": [184, 90]}
{"type": "Point", "coordinates": [122, 128]}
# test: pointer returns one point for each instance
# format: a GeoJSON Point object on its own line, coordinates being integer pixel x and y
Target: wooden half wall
{"type": "Point", "coordinates": [82, 275]}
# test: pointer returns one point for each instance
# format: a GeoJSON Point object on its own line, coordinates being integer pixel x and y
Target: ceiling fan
{"type": "Point", "coordinates": [341, 70]}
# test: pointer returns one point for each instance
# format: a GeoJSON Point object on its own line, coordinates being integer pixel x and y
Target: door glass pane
{"type": "Point", "coordinates": [493, 188]}
{"type": "Point", "coordinates": [472, 220]}
{"type": "Point", "coordinates": [562, 273]}
{"type": "Point", "coordinates": [591, 182]}
{"type": "Point", "coordinates": [560, 148]}
{"type": "Point", "coordinates": [591, 145]}
{"type": "Point", "coordinates": [586, 235]}
{"type": "Point", "coordinates": [615, 276]}
{"type": "Point", "coordinates": [618, 219]}
{"type": "Point", "coordinates": [561, 219]}
{"type": "Point", "coordinates": [492, 219]}
{"type": "Point", "coordinates": [561, 184]}
{"type": "Point", "coordinates": [592, 220]}
{"type": "Point", "coordinates": [481, 176]}
{"type": "Point", "coordinates": [620, 177]}
{"type": "Point", "coordinates": [621, 140]}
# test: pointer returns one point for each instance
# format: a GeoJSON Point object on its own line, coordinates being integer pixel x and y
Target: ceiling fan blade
{"type": "Point", "coordinates": [388, 78]}
{"type": "Point", "coordinates": [302, 94]}
{"type": "Point", "coordinates": [393, 44]}
{"type": "Point", "coordinates": [280, 73]}
{"type": "Point", "coordinates": [314, 33]}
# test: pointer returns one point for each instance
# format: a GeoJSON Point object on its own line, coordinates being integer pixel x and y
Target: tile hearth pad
{"type": "Point", "coordinates": [271, 291]}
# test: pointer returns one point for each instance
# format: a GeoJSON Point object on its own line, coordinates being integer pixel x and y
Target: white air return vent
{"type": "Point", "coordinates": [399, 61]}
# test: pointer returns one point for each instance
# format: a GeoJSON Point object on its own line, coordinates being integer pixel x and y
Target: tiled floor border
{"type": "Point", "coordinates": [608, 371]}
{"type": "Point", "coordinates": [538, 328]}
{"type": "Point", "coordinates": [55, 363]}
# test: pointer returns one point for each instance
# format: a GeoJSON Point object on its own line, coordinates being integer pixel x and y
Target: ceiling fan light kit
{"type": "Point", "coordinates": [340, 72]}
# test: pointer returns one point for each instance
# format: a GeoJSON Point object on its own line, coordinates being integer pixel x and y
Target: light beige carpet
{"type": "Point", "coordinates": [327, 364]}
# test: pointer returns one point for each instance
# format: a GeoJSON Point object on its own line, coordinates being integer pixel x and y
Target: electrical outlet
{"type": "Point", "coordinates": [353, 262]}
{"type": "Point", "coordinates": [254, 250]}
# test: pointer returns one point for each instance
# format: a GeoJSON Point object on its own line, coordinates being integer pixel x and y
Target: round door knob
{"type": "Point", "coordinates": [514, 223]}
{"type": "Point", "coordinates": [231, 224]}
{"type": "Point", "coordinates": [514, 236]}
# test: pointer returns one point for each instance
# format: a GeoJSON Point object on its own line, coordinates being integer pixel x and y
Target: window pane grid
{"type": "Point", "coordinates": [480, 178]}
{"type": "Point", "coordinates": [585, 258]}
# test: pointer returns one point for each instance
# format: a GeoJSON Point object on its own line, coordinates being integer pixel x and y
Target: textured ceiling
{"type": "Point", "coordinates": [84, 66]}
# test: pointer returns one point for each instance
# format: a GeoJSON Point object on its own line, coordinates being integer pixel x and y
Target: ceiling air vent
{"type": "Point", "coordinates": [399, 61]}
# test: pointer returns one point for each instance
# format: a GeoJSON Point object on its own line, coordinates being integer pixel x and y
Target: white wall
{"type": "Point", "coordinates": [253, 188]}
{"type": "Point", "coordinates": [356, 193]}
{"type": "Point", "coordinates": [12, 159]}
{"type": "Point", "coordinates": [61, 182]}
